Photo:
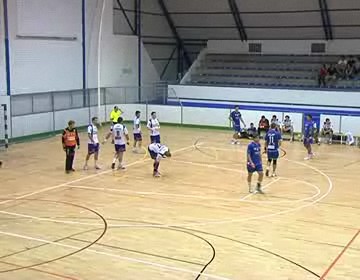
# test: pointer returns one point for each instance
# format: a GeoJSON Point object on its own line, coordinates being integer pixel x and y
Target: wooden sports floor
{"type": "Point", "coordinates": [195, 222]}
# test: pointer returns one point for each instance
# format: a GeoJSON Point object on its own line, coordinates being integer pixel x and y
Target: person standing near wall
{"type": "Point", "coordinates": [70, 139]}
{"type": "Point", "coordinates": [115, 115]}
{"type": "Point", "coordinates": [153, 126]}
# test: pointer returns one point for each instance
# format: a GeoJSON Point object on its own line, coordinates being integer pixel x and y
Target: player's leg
{"type": "Point", "coordinates": [96, 156]}
{"type": "Point", "coordinates": [274, 168]}
{"type": "Point", "coordinates": [307, 145]}
{"type": "Point", "coordinates": [291, 133]}
{"type": "Point", "coordinates": [121, 156]}
{"type": "Point", "coordinates": [268, 165]}
{"type": "Point", "coordinates": [70, 155]}
{"type": "Point", "coordinates": [156, 172]}
{"type": "Point", "coordinates": [116, 156]}
{"type": "Point", "coordinates": [331, 134]}
{"type": "Point", "coordinates": [90, 152]}
{"type": "Point", "coordinates": [249, 177]}
{"type": "Point", "coordinates": [260, 172]}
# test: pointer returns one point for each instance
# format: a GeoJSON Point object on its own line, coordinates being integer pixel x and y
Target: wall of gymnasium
{"type": "Point", "coordinates": [334, 47]}
{"type": "Point", "coordinates": [341, 107]}
{"type": "Point", "coordinates": [39, 62]}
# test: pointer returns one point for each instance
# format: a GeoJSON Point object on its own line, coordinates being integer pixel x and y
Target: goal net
{"type": "Point", "coordinates": [4, 139]}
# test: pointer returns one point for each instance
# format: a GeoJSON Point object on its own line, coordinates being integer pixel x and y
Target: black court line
{"type": "Point", "coordinates": [104, 229]}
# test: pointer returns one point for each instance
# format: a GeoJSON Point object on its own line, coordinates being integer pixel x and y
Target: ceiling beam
{"type": "Point", "coordinates": [121, 7]}
{"type": "Point", "coordinates": [323, 20]}
{"type": "Point", "coordinates": [236, 15]}
{"type": "Point", "coordinates": [327, 19]}
{"type": "Point", "coordinates": [174, 31]}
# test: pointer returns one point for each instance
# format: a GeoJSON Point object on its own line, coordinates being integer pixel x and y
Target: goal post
{"type": "Point", "coordinates": [4, 127]}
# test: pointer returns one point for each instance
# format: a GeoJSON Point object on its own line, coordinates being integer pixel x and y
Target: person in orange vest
{"type": "Point", "coordinates": [70, 139]}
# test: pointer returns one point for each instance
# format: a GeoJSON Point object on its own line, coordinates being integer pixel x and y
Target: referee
{"type": "Point", "coordinates": [115, 114]}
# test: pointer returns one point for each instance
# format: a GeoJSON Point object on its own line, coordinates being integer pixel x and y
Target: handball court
{"type": "Point", "coordinates": [197, 221]}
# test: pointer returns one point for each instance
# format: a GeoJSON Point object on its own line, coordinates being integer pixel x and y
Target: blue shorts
{"type": "Point", "coordinates": [237, 128]}
{"type": "Point", "coordinates": [308, 141]}
{"type": "Point", "coordinates": [155, 139]}
{"type": "Point", "coordinates": [93, 148]}
{"type": "Point", "coordinates": [152, 154]}
{"type": "Point", "coordinates": [273, 154]}
{"type": "Point", "coordinates": [137, 137]}
{"type": "Point", "coordinates": [257, 168]}
{"type": "Point", "coordinates": [120, 148]}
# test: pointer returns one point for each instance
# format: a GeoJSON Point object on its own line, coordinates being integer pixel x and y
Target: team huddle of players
{"type": "Point", "coordinates": [273, 141]}
{"type": "Point", "coordinates": [120, 139]}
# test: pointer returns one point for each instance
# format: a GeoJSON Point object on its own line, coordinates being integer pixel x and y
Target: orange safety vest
{"type": "Point", "coordinates": [70, 138]}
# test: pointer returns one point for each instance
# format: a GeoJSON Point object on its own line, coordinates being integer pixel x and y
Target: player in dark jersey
{"type": "Point", "coordinates": [254, 163]}
{"type": "Point", "coordinates": [272, 145]}
{"type": "Point", "coordinates": [236, 118]}
{"type": "Point", "coordinates": [309, 134]}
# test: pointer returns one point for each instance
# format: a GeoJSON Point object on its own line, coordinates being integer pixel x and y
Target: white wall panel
{"type": "Point", "coordinates": [350, 124]}
{"type": "Point", "coordinates": [167, 114]}
{"type": "Point", "coordinates": [80, 116]}
{"type": "Point", "coordinates": [32, 124]}
{"type": "Point", "coordinates": [206, 116]}
{"type": "Point", "coordinates": [295, 97]}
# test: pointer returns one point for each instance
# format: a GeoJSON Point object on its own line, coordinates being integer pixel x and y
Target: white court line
{"type": "Point", "coordinates": [134, 260]}
{"type": "Point", "coordinates": [82, 179]}
{"type": "Point", "coordinates": [264, 187]}
{"type": "Point", "coordinates": [160, 194]}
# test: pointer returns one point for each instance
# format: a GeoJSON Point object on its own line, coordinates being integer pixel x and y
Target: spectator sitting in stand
{"type": "Point", "coordinates": [341, 67]}
{"type": "Point", "coordinates": [263, 125]}
{"type": "Point", "coordinates": [350, 67]}
{"type": "Point", "coordinates": [322, 76]}
{"type": "Point", "coordinates": [331, 74]}
{"type": "Point", "coordinates": [357, 65]}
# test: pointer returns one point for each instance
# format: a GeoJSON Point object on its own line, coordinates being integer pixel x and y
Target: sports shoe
{"type": "Point", "coordinates": [97, 167]}
{"type": "Point", "coordinates": [274, 175]}
{"type": "Point", "coordinates": [267, 173]}
{"type": "Point", "coordinates": [113, 166]}
{"type": "Point", "coordinates": [86, 167]}
{"type": "Point", "coordinates": [121, 167]}
{"type": "Point", "coordinates": [258, 188]}
{"type": "Point", "coordinates": [156, 174]}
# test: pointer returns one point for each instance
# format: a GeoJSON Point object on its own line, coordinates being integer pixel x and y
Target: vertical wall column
{"type": "Point", "coordinates": [7, 48]}
{"type": "Point", "coordinates": [83, 35]}
{"type": "Point", "coordinates": [139, 35]}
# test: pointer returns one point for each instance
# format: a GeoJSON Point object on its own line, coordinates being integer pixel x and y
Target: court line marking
{"type": "Point", "coordinates": [264, 187]}
{"type": "Point", "coordinates": [150, 194]}
{"type": "Point", "coordinates": [133, 260]}
{"type": "Point", "coordinates": [346, 247]}
{"type": "Point", "coordinates": [83, 178]}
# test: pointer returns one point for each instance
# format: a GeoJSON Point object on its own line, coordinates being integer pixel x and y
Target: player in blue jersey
{"type": "Point", "coordinates": [309, 134]}
{"type": "Point", "coordinates": [272, 144]}
{"type": "Point", "coordinates": [254, 163]}
{"type": "Point", "coordinates": [235, 117]}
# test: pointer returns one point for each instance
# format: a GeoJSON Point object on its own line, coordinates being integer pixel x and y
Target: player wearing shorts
{"type": "Point", "coordinates": [137, 133]}
{"type": "Point", "coordinates": [158, 151]}
{"type": "Point", "coordinates": [153, 126]}
{"type": "Point", "coordinates": [93, 143]}
{"type": "Point", "coordinates": [309, 133]}
{"type": "Point", "coordinates": [121, 139]}
{"type": "Point", "coordinates": [287, 126]}
{"type": "Point", "coordinates": [236, 118]}
{"type": "Point", "coordinates": [327, 131]}
{"type": "Point", "coordinates": [272, 145]}
{"type": "Point", "coordinates": [254, 163]}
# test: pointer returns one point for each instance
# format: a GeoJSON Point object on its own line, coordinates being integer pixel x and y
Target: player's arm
{"type": "Point", "coordinates": [127, 136]}
{"type": "Point", "coordinates": [107, 136]}
{"type": "Point", "coordinates": [242, 120]}
{"type": "Point", "coordinates": [63, 139]}
{"type": "Point", "coordinates": [90, 134]}
{"type": "Point", "coordinates": [149, 126]}
{"type": "Point", "coordinates": [77, 138]}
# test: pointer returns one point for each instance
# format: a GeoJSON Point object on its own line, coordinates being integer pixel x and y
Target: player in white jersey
{"type": "Point", "coordinates": [326, 131]}
{"type": "Point", "coordinates": [158, 151]}
{"type": "Point", "coordinates": [137, 133]}
{"type": "Point", "coordinates": [93, 143]}
{"type": "Point", "coordinates": [153, 126]}
{"type": "Point", "coordinates": [121, 139]}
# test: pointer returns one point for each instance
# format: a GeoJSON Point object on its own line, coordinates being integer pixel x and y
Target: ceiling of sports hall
{"type": "Point", "coordinates": [193, 22]}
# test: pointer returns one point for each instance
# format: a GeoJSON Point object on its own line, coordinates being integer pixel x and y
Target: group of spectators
{"type": "Point", "coordinates": [346, 68]}
{"type": "Point", "coordinates": [264, 125]}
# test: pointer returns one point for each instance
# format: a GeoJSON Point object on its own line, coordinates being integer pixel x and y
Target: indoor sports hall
{"type": "Point", "coordinates": [205, 84]}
